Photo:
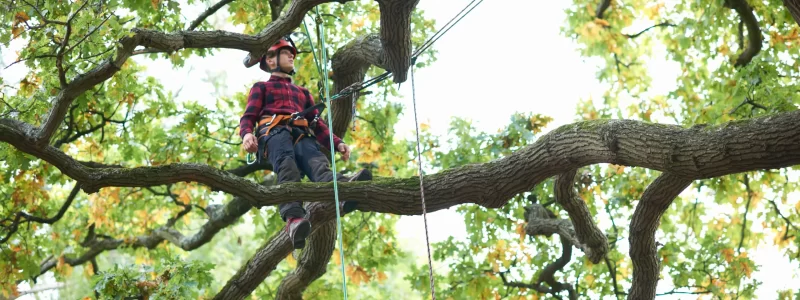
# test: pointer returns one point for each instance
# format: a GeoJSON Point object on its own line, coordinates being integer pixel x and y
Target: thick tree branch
{"type": "Point", "coordinates": [754, 38]}
{"type": "Point", "coordinates": [601, 9]}
{"type": "Point", "coordinates": [396, 35]}
{"type": "Point", "coordinates": [793, 6]}
{"type": "Point", "coordinates": [591, 238]}
{"type": "Point", "coordinates": [543, 222]}
{"type": "Point", "coordinates": [644, 223]}
{"type": "Point", "coordinates": [266, 259]}
{"type": "Point", "coordinates": [207, 13]}
{"type": "Point", "coordinates": [29, 218]}
{"type": "Point", "coordinates": [695, 153]}
{"type": "Point", "coordinates": [350, 64]}
{"type": "Point", "coordinates": [312, 264]}
{"type": "Point", "coordinates": [275, 8]}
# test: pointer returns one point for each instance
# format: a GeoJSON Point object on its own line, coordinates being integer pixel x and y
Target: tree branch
{"type": "Point", "coordinates": [266, 259]}
{"type": "Point", "coordinates": [29, 218]}
{"type": "Point", "coordinates": [350, 64]}
{"type": "Point", "coordinates": [700, 152]}
{"type": "Point", "coordinates": [601, 9]}
{"type": "Point", "coordinates": [746, 210]}
{"type": "Point", "coordinates": [664, 24]}
{"type": "Point", "coordinates": [170, 42]}
{"type": "Point", "coordinates": [591, 238]}
{"type": "Point", "coordinates": [541, 221]}
{"type": "Point", "coordinates": [210, 11]}
{"type": "Point", "coordinates": [395, 22]}
{"type": "Point", "coordinates": [312, 264]}
{"type": "Point", "coordinates": [754, 38]}
{"type": "Point", "coordinates": [644, 223]}
{"type": "Point", "coordinates": [275, 8]}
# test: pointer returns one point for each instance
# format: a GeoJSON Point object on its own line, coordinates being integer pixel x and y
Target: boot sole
{"type": "Point", "coordinates": [300, 234]}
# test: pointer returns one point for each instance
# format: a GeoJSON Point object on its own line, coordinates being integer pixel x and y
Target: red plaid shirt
{"type": "Point", "coordinates": [279, 95]}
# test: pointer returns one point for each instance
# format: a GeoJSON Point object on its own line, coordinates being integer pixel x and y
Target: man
{"type": "Point", "coordinates": [287, 119]}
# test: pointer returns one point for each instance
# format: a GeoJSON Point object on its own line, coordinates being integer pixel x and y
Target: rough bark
{"type": "Point", "coordinates": [794, 9]}
{"type": "Point", "coordinates": [590, 237]}
{"type": "Point", "coordinates": [350, 64]}
{"type": "Point", "coordinates": [312, 264]}
{"type": "Point", "coordinates": [644, 254]}
{"type": "Point", "coordinates": [541, 221]}
{"type": "Point", "coordinates": [396, 35]}
{"type": "Point", "coordinates": [266, 259]}
{"type": "Point", "coordinates": [695, 153]}
{"type": "Point", "coordinates": [754, 38]}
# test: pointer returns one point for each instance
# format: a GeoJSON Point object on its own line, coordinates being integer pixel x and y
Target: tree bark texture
{"type": "Point", "coordinates": [590, 237]}
{"type": "Point", "coordinates": [644, 254]}
{"type": "Point", "coordinates": [695, 153]}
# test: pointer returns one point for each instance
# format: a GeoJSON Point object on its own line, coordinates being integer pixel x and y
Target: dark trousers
{"type": "Point", "coordinates": [291, 162]}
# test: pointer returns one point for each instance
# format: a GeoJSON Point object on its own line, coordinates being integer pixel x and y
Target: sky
{"type": "Point", "coordinates": [494, 62]}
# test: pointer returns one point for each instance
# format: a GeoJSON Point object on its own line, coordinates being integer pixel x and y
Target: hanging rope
{"type": "Point", "coordinates": [324, 75]}
{"type": "Point", "coordinates": [421, 189]}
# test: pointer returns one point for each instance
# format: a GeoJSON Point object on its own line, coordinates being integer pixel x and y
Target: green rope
{"type": "Point", "coordinates": [333, 154]}
{"type": "Point", "coordinates": [313, 51]}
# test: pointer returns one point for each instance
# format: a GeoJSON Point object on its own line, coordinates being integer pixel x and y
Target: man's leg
{"type": "Point", "coordinates": [314, 164]}
{"type": "Point", "coordinates": [282, 156]}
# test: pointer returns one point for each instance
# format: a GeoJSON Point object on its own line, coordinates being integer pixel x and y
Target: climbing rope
{"type": "Point", "coordinates": [323, 74]}
{"type": "Point", "coordinates": [421, 189]}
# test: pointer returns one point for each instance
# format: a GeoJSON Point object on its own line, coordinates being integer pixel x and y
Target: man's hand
{"type": "Point", "coordinates": [249, 143]}
{"type": "Point", "coordinates": [345, 151]}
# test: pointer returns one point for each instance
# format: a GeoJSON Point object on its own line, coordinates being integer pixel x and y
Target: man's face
{"type": "Point", "coordinates": [286, 62]}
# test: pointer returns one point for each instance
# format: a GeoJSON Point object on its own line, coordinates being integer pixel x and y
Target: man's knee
{"type": "Point", "coordinates": [287, 170]}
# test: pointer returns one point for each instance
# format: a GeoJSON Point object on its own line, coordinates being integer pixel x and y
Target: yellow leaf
{"type": "Point", "coordinates": [382, 229]}
{"type": "Point", "coordinates": [155, 3]}
{"type": "Point", "coordinates": [589, 279]}
{"type": "Point", "coordinates": [382, 276]}
{"type": "Point", "coordinates": [797, 205]}
{"type": "Point", "coordinates": [424, 126]}
{"type": "Point", "coordinates": [20, 17]}
{"type": "Point", "coordinates": [746, 268]}
{"type": "Point", "coordinates": [185, 198]}
{"type": "Point", "coordinates": [521, 232]}
{"type": "Point", "coordinates": [601, 22]}
{"type": "Point", "coordinates": [336, 258]}
{"type": "Point", "coordinates": [728, 252]}
{"type": "Point", "coordinates": [240, 17]}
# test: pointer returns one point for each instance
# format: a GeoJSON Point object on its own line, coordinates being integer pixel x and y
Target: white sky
{"type": "Point", "coordinates": [476, 83]}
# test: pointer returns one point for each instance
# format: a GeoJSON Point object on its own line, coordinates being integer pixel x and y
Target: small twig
{"type": "Point", "coordinates": [90, 33]}
{"type": "Point", "coordinates": [29, 218]}
{"type": "Point", "coordinates": [29, 58]}
{"type": "Point", "coordinates": [210, 11]}
{"type": "Point", "coordinates": [746, 210]}
{"type": "Point", "coordinates": [664, 24]}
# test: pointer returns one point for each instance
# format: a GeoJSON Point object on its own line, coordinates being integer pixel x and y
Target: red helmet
{"type": "Point", "coordinates": [282, 43]}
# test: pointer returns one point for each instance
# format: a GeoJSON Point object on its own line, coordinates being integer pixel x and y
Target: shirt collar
{"type": "Point", "coordinates": [278, 78]}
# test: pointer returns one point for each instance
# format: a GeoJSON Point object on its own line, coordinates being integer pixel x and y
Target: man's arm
{"type": "Point", "coordinates": [251, 111]}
